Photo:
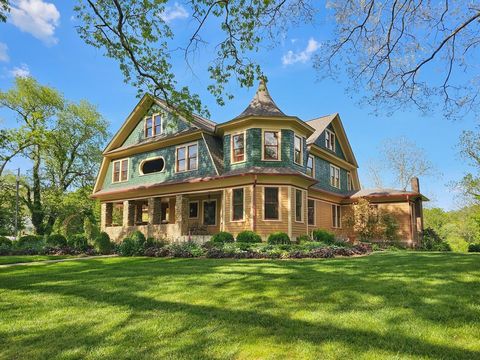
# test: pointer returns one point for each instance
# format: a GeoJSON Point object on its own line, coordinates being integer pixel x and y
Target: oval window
{"type": "Point", "coordinates": [152, 166]}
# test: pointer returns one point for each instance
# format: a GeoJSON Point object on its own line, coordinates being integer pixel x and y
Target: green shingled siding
{"type": "Point", "coordinates": [321, 142]}
{"type": "Point", "coordinates": [170, 125]}
{"type": "Point", "coordinates": [205, 168]}
{"type": "Point", "coordinates": [322, 175]}
{"type": "Point", "coordinates": [254, 151]}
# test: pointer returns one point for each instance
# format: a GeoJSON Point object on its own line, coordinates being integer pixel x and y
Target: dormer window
{"type": "Point", "coordinates": [153, 125]}
{"type": "Point", "coordinates": [238, 148]}
{"type": "Point", "coordinates": [298, 154]}
{"type": "Point", "coordinates": [330, 140]}
{"type": "Point", "coordinates": [271, 145]}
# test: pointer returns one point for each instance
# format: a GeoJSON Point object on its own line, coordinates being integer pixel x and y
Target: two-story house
{"type": "Point", "coordinates": [263, 171]}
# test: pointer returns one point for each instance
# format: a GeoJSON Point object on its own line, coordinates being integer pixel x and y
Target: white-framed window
{"type": "Point", "coordinates": [311, 166]}
{"type": "Point", "coordinates": [120, 170]}
{"type": "Point", "coordinates": [335, 176]}
{"type": "Point", "coordinates": [349, 181]}
{"type": "Point", "coordinates": [336, 216]}
{"type": "Point", "coordinates": [153, 125]}
{"type": "Point", "coordinates": [238, 204]}
{"type": "Point", "coordinates": [271, 145]}
{"type": "Point", "coordinates": [186, 157]}
{"type": "Point", "coordinates": [193, 210]}
{"type": "Point", "coordinates": [298, 205]}
{"type": "Point", "coordinates": [330, 140]}
{"type": "Point", "coordinates": [298, 150]}
{"type": "Point", "coordinates": [238, 145]}
{"type": "Point", "coordinates": [271, 209]}
{"type": "Point", "coordinates": [152, 165]}
{"type": "Point", "coordinates": [311, 212]}
{"type": "Point", "coordinates": [210, 212]}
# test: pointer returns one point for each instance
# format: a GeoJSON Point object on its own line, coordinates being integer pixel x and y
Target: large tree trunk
{"type": "Point", "coordinates": [37, 209]}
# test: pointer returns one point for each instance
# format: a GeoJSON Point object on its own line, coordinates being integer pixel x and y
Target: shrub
{"type": "Point", "coordinates": [56, 240]}
{"type": "Point", "coordinates": [29, 240]}
{"type": "Point", "coordinates": [248, 236]}
{"type": "Point", "coordinates": [78, 242]}
{"type": "Point", "coordinates": [128, 247]}
{"type": "Point", "coordinates": [222, 237]}
{"type": "Point", "coordinates": [138, 237]}
{"type": "Point", "coordinates": [431, 241]}
{"type": "Point", "coordinates": [278, 238]}
{"type": "Point", "coordinates": [103, 244]}
{"type": "Point", "coordinates": [5, 242]}
{"type": "Point", "coordinates": [303, 238]}
{"type": "Point", "coordinates": [89, 229]}
{"type": "Point", "coordinates": [474, 248]}
{"type": "Point", "coordinates": [323, 236]}
{"type": "Point", "coordinates": [185, 250]}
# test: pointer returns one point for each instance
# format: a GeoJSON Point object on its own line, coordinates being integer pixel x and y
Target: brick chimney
{"type": "Point", "coordinates": [415, 184]}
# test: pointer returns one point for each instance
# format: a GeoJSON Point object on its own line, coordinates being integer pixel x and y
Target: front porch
{"type": "Point", "coordinates": [174, 218]}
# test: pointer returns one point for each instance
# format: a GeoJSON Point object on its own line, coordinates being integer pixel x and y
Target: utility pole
{"type": "Point", "coordinates": [17, 205]}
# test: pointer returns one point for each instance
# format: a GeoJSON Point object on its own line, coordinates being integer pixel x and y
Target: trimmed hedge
{"type": "Point", "coordinates": [30, 240]}
{"type": "Point", "coordinates": [222, 237]}
{"type": "Point", "coordinates": [278, 237]}
{"type": "Point", "coordinates": [56, 240]}
{"type": "Point", "coordinates": [78, 242]}
{"type": "Point", "coordinates": [248, 236]}
{"type": "Point", "coordinates": [474, 248]}
{"type": "Point", "coordinates": [324, 236]}
{"type": "Point", "coordinates": [103, 244]}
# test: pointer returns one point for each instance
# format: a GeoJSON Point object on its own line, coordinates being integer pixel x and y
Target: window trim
{"type": "Point", "coordinates": [203, 211]}
{"type": "Point", "coordinates": [231, 204]}
{"type": "Point", "coordinates": [263, 204]}
{"type": "Point", "coordinates": [187, 161]}
{"type": "Point", "coordinates": [302, 211]}
{"type": "Point", "coordinates": [327, 133]}
{"type": "Point", "coordinates": [244, 147]}
{"type": "Point", "coordinates": [140, 171]}
{"type": "Point", "coordinates": [198, 209]}
{"type": "Point", "coordinates": [279, 144]}
{"type": "Point", "coordinates": [339, 177]}
{"type": "Point", "coordinates": [314, 211]}
{"type": "Point", "coordinates": [338, 218]}
{"type": "Point", "coordinates": [152, 117]}
{"type": "Point", "coordinates": [301, 149]}
{"type": "Point", "coordinates": [120, 175]}
{"type": "Point", "coordinates": [313, 166]}
{"type": "Point", "coordinates": [349, 181]}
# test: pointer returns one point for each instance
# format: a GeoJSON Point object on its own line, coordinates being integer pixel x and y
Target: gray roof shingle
{"type": "Point", "coordinates": [262, 104]}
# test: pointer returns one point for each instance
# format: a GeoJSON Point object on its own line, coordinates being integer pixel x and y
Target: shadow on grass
{"type": "Point", "coordinates": [205, 304]}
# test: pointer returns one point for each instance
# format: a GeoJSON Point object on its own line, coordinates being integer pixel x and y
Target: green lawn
{"type": "Point", "coordinates": [392, 305]}
{"type": "Point", "coordinates": [29, 258]}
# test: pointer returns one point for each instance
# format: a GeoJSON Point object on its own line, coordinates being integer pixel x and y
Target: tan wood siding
{"type": "Point", "coordinates": [235, 227]}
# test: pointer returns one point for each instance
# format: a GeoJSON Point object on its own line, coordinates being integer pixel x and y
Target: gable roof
{"type": "Point", "coordinates": [319, 124]}
{"type": "Point", "coordinates": [136, 115]}
{"type": "Point", "coordinates": [215, 149]}
{"type": "Point", "coordinates": [262, 104]}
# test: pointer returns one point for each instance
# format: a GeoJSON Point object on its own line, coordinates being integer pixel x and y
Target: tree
{"type": "Point", "coordinates": [4, 9]}
{"type": "Point", "coordinates": [469, 146]}
{"type": "Point", "coordinates": [388, 48]}
{"type": "Point", "coordinates": [405, 160]}
{"type": "Point", "coordinates": [64, 141]}
{"type": "Point", "coordinates": [138, 36]}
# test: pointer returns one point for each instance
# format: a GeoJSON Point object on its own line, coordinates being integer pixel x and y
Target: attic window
{"type": "Point", "coordinates": [150, 166]}
{"type": "Point", "coordinates": [153, 125]}
{"type": "Point", "coordinates": [330, 140]}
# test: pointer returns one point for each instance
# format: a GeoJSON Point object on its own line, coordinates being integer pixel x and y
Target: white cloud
{"type": "Point", "coordinates": [20, 71]}
{"type": "Point", "coordinates": [174, 12]}
{"type": "Point", "coordinates": [3, 52]}
{"type": "Point", "coordinates": [36, 17]}
{"type": "Point", "coordinates": [303, 56]}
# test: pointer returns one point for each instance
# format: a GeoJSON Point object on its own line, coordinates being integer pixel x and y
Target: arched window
{"type": "Point", "coordinates": [152, 166]}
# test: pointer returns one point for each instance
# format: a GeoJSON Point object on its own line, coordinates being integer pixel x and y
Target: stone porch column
{"type": "Point", "coordinates": [181, 214]}
{"type": "Point", "coordinates": [138, 212]}
{"type": "Point", "coordinates": [154, 210]}
{"type": "Point", "coordinates": [128, 213]}
{"type": "Point", "coordinates": [106, 215]}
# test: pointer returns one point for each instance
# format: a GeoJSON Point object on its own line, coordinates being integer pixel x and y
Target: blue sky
{"type": "Point", "coordinates": [40, 39]}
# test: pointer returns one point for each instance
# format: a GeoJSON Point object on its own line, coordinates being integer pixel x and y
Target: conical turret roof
{"type": "Point", "coordinates": [262, 104]}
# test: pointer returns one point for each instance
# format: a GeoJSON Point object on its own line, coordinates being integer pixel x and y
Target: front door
{"type": "Point", "coordinates": [209, 212]}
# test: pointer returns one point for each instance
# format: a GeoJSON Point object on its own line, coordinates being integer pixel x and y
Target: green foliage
{"type": "Point", "coordinates": [103, 244]}
{"type": "Point", "coordinates": [5, 242]}
{"type": "Point", "coordinates": [431, 241]}
{"type": "Point", "coordinates": [30, 240]}
{"type": "Point", "coordinates": [222, 237]}
{"type": "Point", "coordinates": [134, 245]}
{"type": "Point", "coordinates": [390, 227]}
{"type": "Point", "coordinates": [56, 240]}
{"type": "Point", "coordinates": [278, 237]}
{"type": "Point", "coordinates": [303, 238]}
{"type": "Point", "coordinates": [78, 241]}
{"type": "Point", "coordinates": [138, 237]}
{"type": "Point", "coordinates": [248, 236]}
{"type": "Point", "coordinates": [474, 248]}
{"type": "Point", "coordinates": [90, 231]}
{"type": "Point", "coordinates": [324, 236]}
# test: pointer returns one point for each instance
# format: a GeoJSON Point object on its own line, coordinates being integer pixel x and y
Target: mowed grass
{"type": "Point", "coordinates": [392, 305]}
{"type": "Point", "coordinates": [30, 258]}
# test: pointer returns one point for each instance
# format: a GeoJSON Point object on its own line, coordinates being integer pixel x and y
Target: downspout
{"type": "Point", "coordinates": [254, 204]}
